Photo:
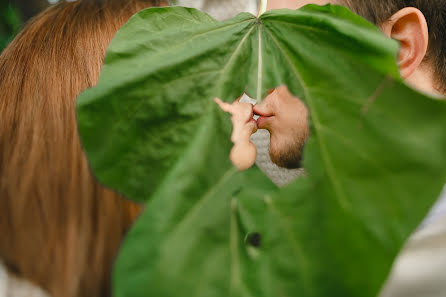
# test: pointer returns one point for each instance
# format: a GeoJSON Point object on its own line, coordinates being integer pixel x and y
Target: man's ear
{"type": "Point", "coordinates": [409, 27]}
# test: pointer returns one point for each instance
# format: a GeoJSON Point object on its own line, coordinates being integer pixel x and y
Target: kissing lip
{"type": "Point", "coordinates": [262, 122]}
{"type": "Point", "coordinates": [264, 117]}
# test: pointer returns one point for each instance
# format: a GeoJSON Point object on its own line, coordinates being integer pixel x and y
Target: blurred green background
{"type": "Point", "coordinates": [10, 23]}
{"type": "Point", "coordinates": [14, 13]}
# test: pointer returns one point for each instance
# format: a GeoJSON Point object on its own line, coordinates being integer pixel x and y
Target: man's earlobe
{"type": "Point", "coordinates": [409, 27]}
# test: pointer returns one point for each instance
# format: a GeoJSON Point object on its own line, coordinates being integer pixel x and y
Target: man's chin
{"type": "Point", "coordinates": [286, 154]}
{"type": "Point", "coordinates": [286, 160]}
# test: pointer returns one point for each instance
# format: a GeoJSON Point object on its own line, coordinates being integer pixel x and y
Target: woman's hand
{"type": "Point", "coordinates": [243, 153]}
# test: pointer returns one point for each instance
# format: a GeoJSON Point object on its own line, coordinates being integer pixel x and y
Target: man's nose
{"type": "Point", "coordinates": [266, 107]}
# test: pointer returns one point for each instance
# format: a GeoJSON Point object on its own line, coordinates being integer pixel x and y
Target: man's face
{"type": "Point", "coordinates": [286, 118]}
{"type": "Point", "coordinates": [282, 114]}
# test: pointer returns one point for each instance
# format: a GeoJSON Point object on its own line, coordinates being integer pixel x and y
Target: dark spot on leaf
{"type": "Point", "coordinates": [236, 192]}
{"type": "Point", "coordinates": [254, 239]}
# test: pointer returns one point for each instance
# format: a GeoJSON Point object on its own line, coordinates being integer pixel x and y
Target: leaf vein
{"type": "Point", "coordinates": [340, 194]}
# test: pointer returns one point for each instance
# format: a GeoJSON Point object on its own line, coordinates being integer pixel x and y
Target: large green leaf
{"type": "Point", "coordinates": [375, 160]}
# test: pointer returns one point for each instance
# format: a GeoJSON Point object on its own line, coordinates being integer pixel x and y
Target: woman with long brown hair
{"type": "Point", "coordinates": [59, 228]}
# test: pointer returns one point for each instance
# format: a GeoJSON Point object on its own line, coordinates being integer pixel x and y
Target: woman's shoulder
{"type": "Point", "coordinates": [419, 269]}
{"type": "Point", "coordinates": [437, 212]}
{"type": "Point", "coordinates": [12, 286]}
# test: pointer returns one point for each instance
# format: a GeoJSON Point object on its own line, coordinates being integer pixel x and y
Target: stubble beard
{"type": "Point", "coordinates": [287, 153]}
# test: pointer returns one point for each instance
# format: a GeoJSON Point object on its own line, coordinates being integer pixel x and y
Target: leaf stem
{"type": "Point", "coordinates": [263, 5]}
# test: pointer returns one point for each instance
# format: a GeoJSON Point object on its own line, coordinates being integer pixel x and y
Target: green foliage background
{"type": "Point", "coordinates": [375, 160]}
{"type": "Point", "coordinates": [10, 23]}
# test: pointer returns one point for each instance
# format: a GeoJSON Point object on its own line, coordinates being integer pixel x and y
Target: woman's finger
{"type": "Point", "coordinates": [224, 106]}
{"type": "Point", "coordinates": [243, 111]}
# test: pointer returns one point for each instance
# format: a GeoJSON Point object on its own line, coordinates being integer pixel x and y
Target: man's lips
{"type": "Point", "coordinates": [262, 122]}
{"type": "Point", "coordinates": [263, 117]}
